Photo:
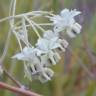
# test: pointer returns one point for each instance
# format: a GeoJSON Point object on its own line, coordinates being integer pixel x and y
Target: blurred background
{"type": "Point", "coordinates": [75, 75]}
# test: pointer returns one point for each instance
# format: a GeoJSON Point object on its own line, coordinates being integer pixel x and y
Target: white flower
{"type": "Point", "coordinates": [49, 43]}
{"type": "Point", "coordinates": [48, 47]}
{"type": "Point", "coordinates": [53, 43]}
{"type": "Point", "coordinates": [65, 20]}
{"type": "Point", "coordinates": [50, 35]}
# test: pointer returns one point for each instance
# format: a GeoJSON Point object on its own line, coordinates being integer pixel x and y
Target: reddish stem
{"type": "Point", "coordinates": [17, 90]}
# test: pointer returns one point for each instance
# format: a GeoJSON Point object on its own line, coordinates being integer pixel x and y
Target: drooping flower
{"type": "Point", "coordinates": [48, 47]}
{"type": "Point", "coordinates": [50, 35]}
{"type": "Point", "coordinates": [66, 21]}
{"type": "Point", "coordinates": [34, 66]}
{"type": "Point", "coordinates": [49, 43]}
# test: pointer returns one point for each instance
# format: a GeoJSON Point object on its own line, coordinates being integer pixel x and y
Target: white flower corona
{"type": "Point", "coordinates": [66, 22]}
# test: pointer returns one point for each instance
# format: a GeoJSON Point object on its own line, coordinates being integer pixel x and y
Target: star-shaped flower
{"type": "Point", "coordinates": [48, 48]}
{"type": "Point", "coordinates": [65, 21]}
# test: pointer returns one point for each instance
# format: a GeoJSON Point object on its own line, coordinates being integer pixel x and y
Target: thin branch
{"type": "Point", "coordinates": [17, 90]}
{"type": "Point", "coordinates": [12, 78]}
{"type": "Point", "coordinates": [40, 24]}
{"type": "Point", "coordinates": [33, 13]}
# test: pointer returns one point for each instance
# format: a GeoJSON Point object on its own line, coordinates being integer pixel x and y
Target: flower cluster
{"type": "Point", "coordinates": [38, 58]}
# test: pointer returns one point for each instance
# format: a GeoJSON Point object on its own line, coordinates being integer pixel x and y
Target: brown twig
{"type": "Point", "coordinates": [18, 90]}
{"type": "Point", "coordinates": [16, 82]}
{"type": "Point", "coordinates": [12, 78]}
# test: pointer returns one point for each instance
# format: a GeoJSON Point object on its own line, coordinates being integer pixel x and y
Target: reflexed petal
{"type": "Point", "coordinates": [64, 43]}
{"type": "Point", "coordinates": [74, 30]}
{"type": "Point", "coordinates": [57, 57]}
{"type": "Point", "coordinates": [77, 28]}
{"type": "Point", "coordinates": [70, 33]}
{"type": "Point", "coordinates": [46, 75]}
{"type": "Point", "coordinates": [52, 57]}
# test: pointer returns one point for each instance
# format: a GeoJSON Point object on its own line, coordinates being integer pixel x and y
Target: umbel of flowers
{"type": "Point", "coordinates": [38, 59]}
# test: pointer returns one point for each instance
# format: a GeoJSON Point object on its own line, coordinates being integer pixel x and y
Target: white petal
{"type": "Point", "coordinates": [51, 57]}
{"type": "Point", "coordinates": [19, 56]}
{"type": "Point", "coordinates": [35, 69]}
{"type": "Point", "coordinates": [57, 57]}
{"type": "Point", "coordinates": [64, 43]}
{"type": "Point", "coordinates": [54, 43]}
{"type": "Point", "coordinates": [74, 12]}
{"type": "Point", "coordinates": [42, 44]}
{"type": "Point", "coordinates": [65, 13]}
{"type": "Point", "coordinates": [77, 28]}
